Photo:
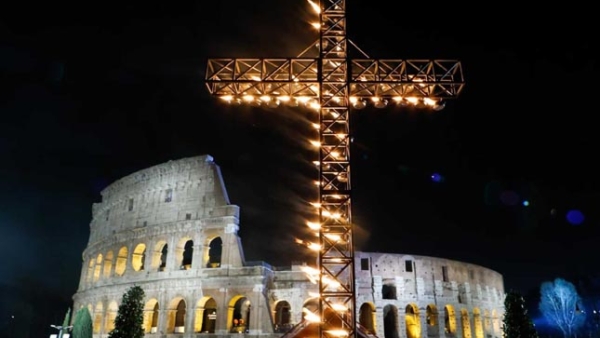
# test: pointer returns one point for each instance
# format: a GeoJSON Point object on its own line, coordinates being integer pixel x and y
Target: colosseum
{"type": "Point", "coordinates": [172, 230]}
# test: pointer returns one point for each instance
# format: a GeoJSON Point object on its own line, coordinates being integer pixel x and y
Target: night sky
{"type": "Point", "coordinates": [91, 92]}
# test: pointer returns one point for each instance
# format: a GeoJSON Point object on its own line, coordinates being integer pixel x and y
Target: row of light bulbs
{"type": "Point", "coordinates": [356, 102]}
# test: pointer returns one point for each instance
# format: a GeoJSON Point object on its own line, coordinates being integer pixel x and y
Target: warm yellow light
{"type": "Point", "coordinates": [316, 25]}
{"type": "Point", "coordinates": [284, 98]}
{"type": "Point", "coordinates": [316, 205]}
{"type": "Point", "coordinates": [313, 225]}
{"type": "Point", "coordinates": [315, 7]}
{"type": "Point", "coordinates": [353, 100]}
{"type": "Point", "coordinates": [397, 98]}
{"type": "Point", "coordinates": [316, 126]}
{"type": "Point", "coordinates": [248, 98]}
{"type": "Point", "coordinates": [256, 78]}
{"type": "Point", "coordinates": [315, 143]}
{"type": "Point", "coordinates": [412, 100]}
{"type": "Point", "coordinates": [429, 101]}
{"type": "Point", "coordinates": [227, 98]}
{"type": "Point", "coordinates": [314, 105]}
{"type": "Point", "coordinates": [265, 98]}
{"type": "Point", "coordinates": [375, 99]}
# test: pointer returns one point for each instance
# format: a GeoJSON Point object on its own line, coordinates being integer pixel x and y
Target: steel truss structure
{"type": "Point", "coordinates": [332, 84]}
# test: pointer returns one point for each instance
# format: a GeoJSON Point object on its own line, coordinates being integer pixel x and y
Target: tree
{"type": "Point", "coordinates": [561, 305]}
{"type": "Point", "coordinates": [82, 327]}
{"type": "Point", "coordinates": [516, 322]}
{"type": "Point", "coordinates": [65, 325]}
{"type": "Point", "coordinates": [130, 317]}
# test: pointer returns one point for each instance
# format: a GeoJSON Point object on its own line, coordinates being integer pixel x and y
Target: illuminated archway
{"type": "Point", "coordinates": [111, 315]}
{"type": "Point", "coordinates": [205, 317]}
{"type": "Point", "coordinates": [151, 316]}
{"type": "Point", "coordinates": [477, 323]}
{"type": "Point", "coordinates": [98, 315]}
{"type": "Point", "coordinates": [366, 317]}
{"type": "Point", "coordinates": [433, 327]}
{"type": "Point", "coordinates": [465, 323]}
{"type": "Point", "coordinates": [282, 316]}
{"type": "Point", "coordinates": [98, 268]}
{"type": "Point", "coordinates": [138, 257]}
{"type": "Point", "coordinates": [238, 314]}
{"type": "Point", "coordinates": [183, 253]}
{"type": "Point", "coordinates": [108, 262]}
{"type": "Point", "coordinates": [159, 256]}
{"type": "Point", "coordinates": [412, 321]}
{"type": "Point", "coordinates": [176, 316]}
{"type": "Point", "coordinates": [214, 252]}
{"type": "Point", "coordinates": [449, 320]}
{"type": "Point", "coordinates": [121, 263]}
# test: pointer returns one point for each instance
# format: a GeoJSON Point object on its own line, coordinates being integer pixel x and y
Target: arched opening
{"type": "Point", "coordinates": [206, 315]}
{"type": "Point", "coordinates": [215, 249]}
{"type": "Point", "coordinates": [390, 321]}
{"type": "Point", "coordinates": [98, 314]}
{"type": "Point", "coordinates": [138, 257]}
{"type": "Point", "coordinates": [465, 323]}
{"type": "Point", "coordinates": [176, 316]}
{"type": "Point", "coordinates": [108, 261]}
{"type": "Point", "coordinates": [282, 316]}
{"type": "Point", "coordinates": [388, 291]}
{"type": "Point", "coordinates": [412, 321]}
{"type": "Point", "coordinates": [164, 252]}
{"type": "Point", "coordinates": [487, 323]}
{"type": "Point", "coordinates": [157, 253]}
{"type": "Point", "coordinates": [495, 323]}
{"type": "Point", "coordinates": [449, 321]}
{"type": "Point", "coordinates": [98, 268]}
{"type": "Point", "coordinates": [432, 321]}
{"type": "Point", "coordinates": [121, 264]}
{"type": "Point", "coordinates": [238, 314]}
{"type": "Point", "coordinates": [477, 323]}
{"type": "Point", "coordinates": [187, 251]}
{"type": "Point", "coordinates": [90, 273]}
{"type": "Point", "coordinates": [111, 315]}
{"type": "Point", "coordinates": [151, 316]}
{"type": "Point", "coordinates": [366, 317]}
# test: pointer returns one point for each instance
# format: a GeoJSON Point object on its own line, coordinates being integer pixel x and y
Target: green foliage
{"type": "Point", "coordinates": [130, 317]}
{"type": "Point", "coordinates": [82, 327]}
{"type": "Point", "coordinates": [516, 321]}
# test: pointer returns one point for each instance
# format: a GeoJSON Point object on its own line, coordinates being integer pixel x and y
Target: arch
{"type": "Point", "coordinates": [238, 314]}
{"type": "Point", "coordinates": [151, 310]}
{"type": "Point", "coordinates": [487, 323]}
{"type": "Point", "coordinates": [465, 323]}
{"type": "Point", "coordinates": [183, 253]}
{"type": "Point", "coordinates": [282, 316]}
{"type": "Point", "coordinates": [138, 257]}
{"type": "Point", "coordinates": [98, 315]}
{"type": "Point", "coordinates": [477, 323]}
{"type": "Point", "coordinates": [206, 315]}
{"type": "Point", "coordinates": [111, 315]}
{"type": "Point", "coordinates": [176, 316]}
{"type": "Point", "coordinates": [98, 268]}
{"type": "Point", "coordinates": [214, 252]}
{"type": "Point", "coordinates": [495, 323]}
{"type": "Point", "coordinates": [412, 321]}
{"type": "Point", "coordinates": [366, 317]}
{"type": "Point", "coordinates": [121, 264]}
{"type": "Point", "coordinates": [159, 256]}
{"type": "Point", "coordinates": [390, 321]}
{"type": "Point", "coordinates": [433, 327]}
{"type": "Point", "coordinates": [449, 320]}
{"type": "Point", "coordinates": [90, 273]}
{"type": "Point", "coordinates": [108, 262]}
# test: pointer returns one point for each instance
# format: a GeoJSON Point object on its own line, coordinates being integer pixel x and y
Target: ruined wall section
{"type": "Point", "coordinates": [183, 190]}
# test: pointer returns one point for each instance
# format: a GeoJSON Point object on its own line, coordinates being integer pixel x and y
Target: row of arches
{"type": "Point", "coordinates": [150, 258]}
{"type": "Point", "coordinates": [177, 316]}
{"type": "Point", "coordinates": [474, 325]}
{"type": "Point", "coordinates": [174, 317]}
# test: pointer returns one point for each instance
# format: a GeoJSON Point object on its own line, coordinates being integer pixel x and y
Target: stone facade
{"type": "Point", "coordinates": [172, 230]}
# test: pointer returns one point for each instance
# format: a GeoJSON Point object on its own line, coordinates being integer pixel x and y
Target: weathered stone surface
{"type": "Point", "coordinates": [195, 289]}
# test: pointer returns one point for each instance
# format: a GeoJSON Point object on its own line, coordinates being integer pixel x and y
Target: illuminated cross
{"type": "Point", "coordinates": [331, 83]}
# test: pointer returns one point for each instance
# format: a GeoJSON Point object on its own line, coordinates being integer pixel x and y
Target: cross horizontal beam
{"type": "Point", "coordinates": [298, 77]}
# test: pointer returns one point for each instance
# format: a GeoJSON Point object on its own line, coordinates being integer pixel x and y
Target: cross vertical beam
{"type": "Point", "coordinates": [336, 258]}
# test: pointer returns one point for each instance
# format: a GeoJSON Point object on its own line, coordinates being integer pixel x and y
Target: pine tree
{"type": "Point", "coordinates": [516, 322]}
{"type": "Point", "coordinates": [130, 317]}
{"type": "Point", "coordinates": [82, 327]}
{"type": "Point", "coordinates": [64, 329]}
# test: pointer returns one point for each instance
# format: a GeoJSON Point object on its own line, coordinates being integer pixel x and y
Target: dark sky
{"type": "Point", "coordinates": [92, 92]}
